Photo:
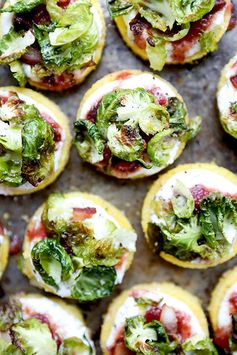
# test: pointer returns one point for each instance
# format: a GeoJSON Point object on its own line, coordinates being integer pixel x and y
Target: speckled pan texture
{"type": "Point", "coordinates": [197, 84]}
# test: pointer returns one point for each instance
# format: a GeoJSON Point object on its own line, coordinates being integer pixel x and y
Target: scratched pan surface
{"type": "Point", "coordinates": [197, 84]}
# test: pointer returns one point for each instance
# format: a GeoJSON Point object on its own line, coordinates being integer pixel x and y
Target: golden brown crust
{"type": "Point", "coordinates": [147, 209]}
{"type": "Point", "coordinates": [170, 289]}
{"type": "Point", "coordinates": [59, 117]}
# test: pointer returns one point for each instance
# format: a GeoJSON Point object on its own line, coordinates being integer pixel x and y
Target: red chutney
{"type": "Point", "coordinates": [55, 125]}
{"type": "Point", "coordinates": [16, 245]}
{"type": "Point", "coordinates": [80, 214]}
{"type": "Point", "coordinates": [119, 347]}
{"type": "Point", "coordinates": [199, 192]}
{"type": "Point", "coordinates": [122, 168]}
{"type": "Point", "coordinates": [182, 46]}
{"type": "Point", "coordinates": [233, 80]}
{"type": "Point", "coordinates": [124, 74]}
{"type": "Point", "coordinates": [160, 98]}
{"type": "Point", "coordinates": [57, 82]}
{"type": "Point", "coordinates": [37, 231]}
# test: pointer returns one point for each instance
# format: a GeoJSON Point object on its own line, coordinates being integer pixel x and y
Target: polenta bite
{"type": "Point", "coordinates": [34, 324]}
{"type": "Point", "coordinates": [4, 249]}
{"type": "Point", "coordinates": [155, 319]}
{"type": "Point", "coordinates": [35, 141]}
{"type": "Point", "coordinates": [227, 97]}
{"type": "Point", "coordinates": [53, 45]}
{"type": "Point", "coordinates": [223, 312]}
{"type": "Point", "coordinates": [77, 246]}
{"type": "Point", "coordinates": [189, 215]}
{"type": "Point", "coordinates": [132, 124]}
{"type": "Point", "coordinates": [171, 32]}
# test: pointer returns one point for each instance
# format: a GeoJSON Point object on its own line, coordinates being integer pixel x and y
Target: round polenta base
{"type": "Point", "coordinates": [4, 252]}
{"type": "Point", "coordinates": [60, 118]}
{"type": "Point", "coordinates": [168, 288]}
{"type": "Point", "coordinates": [227, 280]}
{"type": "Point", "coordinates": [122, 27]}
{"type": "Point", "coordinates": [83, 72]}
{"type": "Point", "coordinates": [110, 209]}
{"type": "Point", "coordinates": [119, 75]}
{"type": "Point", "coordinates": [147, 210]}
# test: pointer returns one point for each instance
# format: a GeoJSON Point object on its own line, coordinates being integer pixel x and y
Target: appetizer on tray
{"type": "Point", "coordinates": [35, 141]}
{"type": "Point", "coordinates": [189, 215]}
{"type": "Point", "coordinates": [51, 44]}
{"type": "Point", "coordinates": [227, 97]}
{"type": "Point", "coordinates": [132, 124]}
{"type": "Point", "coordinates": [171, 32]}
{"type": "Point", "coordinates": [77, 246]}
{"type": "Point", "coordinates": [223, 312]}
{"type": "Point", "coordinates": [34, 324]}
{"type": "Point", "coordinates": [156, 319]}
{"type": "Point", "coordinates": [4, 249]}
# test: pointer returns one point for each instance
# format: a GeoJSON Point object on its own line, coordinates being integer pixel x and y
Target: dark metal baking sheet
{"type": "Point", "coordinates": [197, 83]}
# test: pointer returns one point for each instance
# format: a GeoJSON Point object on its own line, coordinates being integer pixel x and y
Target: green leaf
{"type": "Point", "coordinates": [147, 338]}
{"type": "Point", "coordinates": [186, 11]}
{"type": "Point", "coordinates": [51, 261]}
{"type": "Point", "coordinates": [74, 345]}
{"type": "Point", "coordinates": [157, 54]}
{"type": "Point", "coordinates": [22, 6]}
{"type": "Point", "coordinates": [208, 40]}
{"type": "Point", "coordinates": [38, 146]}
{"type": "Point", "coordinates": [160, 146]}
{"type": "Point", "coordinates": [94, 283]}
{"type": "Point", "coordinates": [196, 346]}
{"type": "Point", "coordinates": [153, 118]}
{"type": "Point", "coordinates": [76, 21]}
{"type": "Point", "coordinates": [126, 144]}
{"type": "Point", "coordinates": [14, 44]}
{"type": "Point", "coordinates": [182, 201]}
{"type": "Point", "coordinates": [10, 313]}
{"type": "Point", "coordinates": [7, 348]}
{"type": "Point", "coordinates": [144, 302]}
{"type": "Point", "coordinates": [119, 7]}
{"type": "Point", "coordinates": [55, 11]}
{"type": "Point", "coordinates": [194, 127]}
{"type": "Point", "coordinates": [18, 72]}
{"type": "Point", "coordinates": [33, 337]}
{"type": "Point", "coordinates": [158, 13]}
{"type": "Point", "coordinates": [233, 107]}
{"type": "Point", "coordinates": [178, 114]}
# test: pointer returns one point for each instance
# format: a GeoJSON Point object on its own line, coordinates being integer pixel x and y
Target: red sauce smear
{"type": "Point", "coordinates": [80, 214]}
{"type": "Point", "coordinates": [63, 3]}
{"type": "Point", "coordinates": [124, 74]}
{"type": "Point", "coordinates": [183, 325]}
{"type": "Point", "coordinates": [199, 192]}
{"type": "Point", "coordinates": [52, 327]}
{"type": "Point", "coordinates": [91, 115]}
{"type": "Point", "coordinates": [233, 20]}
{"type": "Point", "coordinates": [160, 98]}
{"type": "Point", "coordinates": [181, 47]}
{"type": "Point", "coordinates": [56, 127]}
{"type": "Point", "coordinates": [58, 82]}
{"type": "Point", "coordinates": [16, 245]}
{"type": "Point", "coordinates": [122, 168]}
{"type": "Point", "coordinates": [142, 31]}
{"type": "Point", "coordinates": [119, 347]}
{"type": "Point", "coordinates": [38, 231]}
{"type": "Point", "coordinates": [233, 80]}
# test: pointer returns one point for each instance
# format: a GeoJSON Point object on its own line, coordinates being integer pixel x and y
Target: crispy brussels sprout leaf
{"type": "Point", "coordinates": [208, 40]}
{"type": "Point", "coordinates": [147, 338]}
{"type": "Point", "coordinates": [126, 144]}
{"type": "Point", "coordinates": [33, 337]}
{"type": "Point", "coordinates": [153, 119]}
{"type": "Point", "coordinates": [10, 313]}
{"type": "Point", "coordinates": [74, 345]}
{"type": "Point", "coordinates": [178, 114]}
{"type": "Point", "coordinates": [18, 72]}
{"type": "Point", "coordinates": [189, 11]}
{"type": "Point", "coordinates": [196, 346]}
{"type": "Point", "coordinates": [55, 11]}
{"type": "Point", "coordinates": [159, 147]}
{"type": "Point", "coordinates": [76, 20]}
{"type": "Point", "coordinates": [182, 202]}
{"type": "Point", "coordinates": [157, 55]}
{"type": "Point", "coordinates": [94, 283]}
{"type": "Point", "coordinates": [51, 261]}
{"type": "Point", "coordinates": [22, 6]}
{"type": "Point", "coordinates": [7, 348]}
{"type": "Point", "coordinates": [119, 7]}
{"type": "Point", "coordinates": [14, 44]}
